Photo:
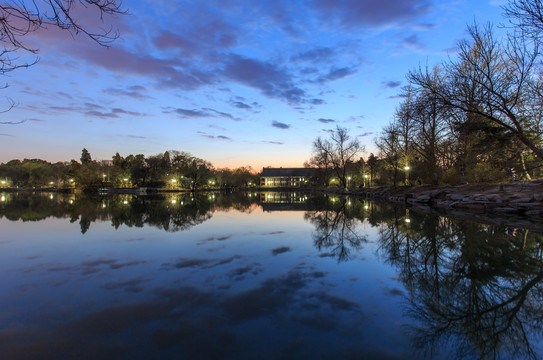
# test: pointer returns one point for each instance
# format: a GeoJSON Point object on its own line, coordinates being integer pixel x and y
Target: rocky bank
{"type": "Point", "coordinates": [519, 198]}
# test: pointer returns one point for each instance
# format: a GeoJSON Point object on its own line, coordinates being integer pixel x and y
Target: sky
{"type": "Point", "coordinates": [238, 83]}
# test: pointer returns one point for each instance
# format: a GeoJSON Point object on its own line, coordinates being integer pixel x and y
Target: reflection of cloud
{"type": "Point", "coordinates": [327, 254]}
{"type": "Point", "coordinates": [280, 250]}
{"type": "Point", "coordinates": [192, 323]}
{"type": "Point", "coordinates": [273, 232]}
{"type": "Point", "coordinates": [181, 263]}
{"type": "Point", "coordinates": [94, 266]}
{"type": "Point", "coordinates": [132, 285]}
{"type": "Point", "coordinates": [239, 273]}
{"type": "Point", "coordinates": [393, 292]}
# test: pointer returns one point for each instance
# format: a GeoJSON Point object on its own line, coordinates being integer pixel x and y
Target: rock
{"type": "Point", "coordinates": [506, 209]}
{"type": "Point", "coordinates": [423, 198]}
{"type": "Point", "coordinates": [521, 200]}
{"type": "Point", "coordinates": [457, 197]}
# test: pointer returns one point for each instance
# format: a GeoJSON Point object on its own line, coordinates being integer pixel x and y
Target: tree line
{"type": "Point", "coordinates": [172, 170]}
{"type": "Point", "coordinates": [476, 117]}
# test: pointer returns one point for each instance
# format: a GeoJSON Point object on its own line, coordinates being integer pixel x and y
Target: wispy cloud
{"type": "Point", "coordinates": [214, 137]}
{"type": "Point", "coordinates": [274, 142]}
{"type": "Point", "coordinates": [391, 84]}
{"type": "Point", "coordinates": [280, 125]}
{"type": "Point", "coordinates": [326, 121]}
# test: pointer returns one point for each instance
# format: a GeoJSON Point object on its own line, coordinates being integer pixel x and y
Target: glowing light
{"type": "Point", "coordinates": [51, 196]}
{"type": "Point", "coordinates": [71, 201]}
{"type": "Point", "coordinates": [173, 180]}
{"type": "Point", "coordinates": [174, 201]}
{"type": "Point", "coordinates": [3, 198]}
{"type": "Point", "coordinates": [125, 202]}
{"type": "Point", "coordinates": [406, 168]}
{"type": "Point", "coordinates": [366, 207]}
{"type": "Point", "coordinates": [407, 220]}
{"type": "Point", "coordinates": [71, 180]}
{"type": "Point", "coordinates": [125, 179]}
{"type": "Point", "coordinates": [51, 183]}
{"type": "Point", "coordinates": [103, 206]}
{"type": "Point", "coordinates": [3, 181]}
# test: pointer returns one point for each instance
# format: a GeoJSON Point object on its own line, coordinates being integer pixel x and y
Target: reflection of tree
{"type": "Point", "coordinates": [171, 213]}
{"type": "Point", "coordinates": [336, 228]}
{"type": "Point", "coordinates": [475, 289]}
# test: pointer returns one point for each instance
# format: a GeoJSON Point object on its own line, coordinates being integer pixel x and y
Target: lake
{"type": "Point", "coordinates": [262, 276]}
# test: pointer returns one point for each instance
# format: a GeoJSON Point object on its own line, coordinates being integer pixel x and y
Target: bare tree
{"type": "Point", "coordinates": [526, 15]}
{"type": "Point", "coordinates": [495, 80]}
{"type": "Point", "coordinates": [430, 124]}
{"type": "Point", "coordinates": [390, 149]}
{"type": "Point", "coordinates": [19, 18]}
{"type": "Point", "coordinates": [335, 153]}
{"type": "Point", "coordinates": [404, 124]}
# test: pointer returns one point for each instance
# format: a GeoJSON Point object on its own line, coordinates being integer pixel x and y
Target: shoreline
{"type": "Point", "coordinates": [519, 198]}
{"type": "Point", "coordinates": [523, 199]}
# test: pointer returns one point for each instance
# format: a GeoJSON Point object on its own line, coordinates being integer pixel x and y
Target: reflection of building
{"type": "Point", "coordinates": [285, 177]}
{"type": "Point", "coordinates": [279, 201]}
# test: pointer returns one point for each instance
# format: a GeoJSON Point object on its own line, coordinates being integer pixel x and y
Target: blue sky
{"type": "Point", "coordinates": [234, 82]}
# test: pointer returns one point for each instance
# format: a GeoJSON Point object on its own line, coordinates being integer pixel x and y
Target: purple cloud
{"type": "Point", "coordinates": [272, 80]}
{"type": "Point", "coordinates": [135, 92]}
{"type": "Point", "coordinates": [335, 74]}
{"type": "Point", "coordinates": [316, 55]}
{"type": "Point", "coordinates": [186, 113]}
{"type": "Point", "coordinates": [213, 137]}
{"type": "Point", "coordinates": [280, 125]}
{"type": "Point", "coordinates": [202, 113]}
{"type": "Point", "coordinates": [326, 121]}
{"type": "Point", "coordinates": [413, 42]}
{"type": "Point", "coordinates": [391, 84]}
{"type": "Point", "coordinates": [358, 13]}
{"type": "Point", "coordinates": [274, 142]}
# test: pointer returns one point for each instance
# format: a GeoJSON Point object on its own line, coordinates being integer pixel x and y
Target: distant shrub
{"type": "Point", "coordinates": [451, 177]}
{"type": "Point", "coordinates": [483, 172]}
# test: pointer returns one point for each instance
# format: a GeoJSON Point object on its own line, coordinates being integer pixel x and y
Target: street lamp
{"type": "Point", "coordinates": [406, 168]}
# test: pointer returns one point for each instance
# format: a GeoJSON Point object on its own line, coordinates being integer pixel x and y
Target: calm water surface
{"type": "Point", "coordinates": [261, 275]}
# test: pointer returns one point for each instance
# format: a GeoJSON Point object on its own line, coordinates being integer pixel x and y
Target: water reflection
{"type": "Point", "coordinates": [336, 227]}
{"type": "Point", "coordinates": [470, 289]}
{"type": "Point", "coordinates": [475, 289]}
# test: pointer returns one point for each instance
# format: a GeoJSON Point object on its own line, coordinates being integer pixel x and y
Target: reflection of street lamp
{"type": "Point", "coordinates": [406, 168]}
